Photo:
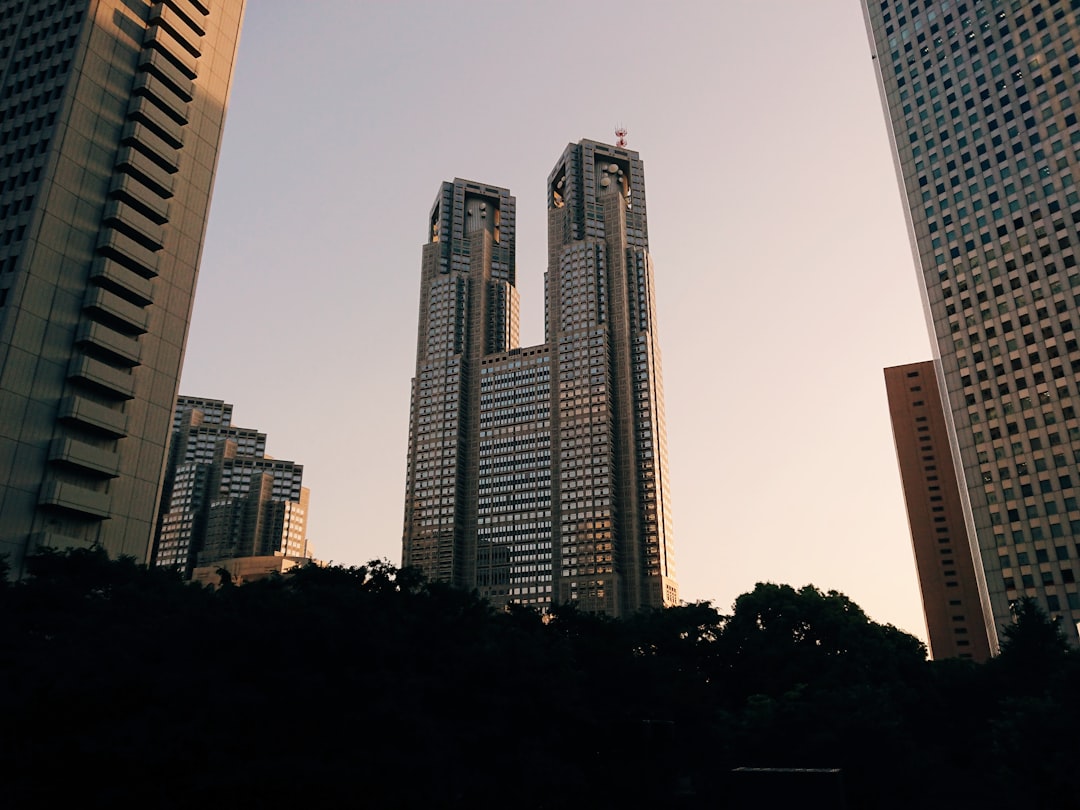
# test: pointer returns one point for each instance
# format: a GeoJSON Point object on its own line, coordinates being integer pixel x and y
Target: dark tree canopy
{"type": "Point", "coordinates": [370, 686]}
{"type": "Point", "coordinates": [1032, 638]}
{"type": "Point", "coordinates": [779, 638]}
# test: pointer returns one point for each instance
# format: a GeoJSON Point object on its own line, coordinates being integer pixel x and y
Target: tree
{"type": "Point", "coordinates": [778, 638]}
{"type": "Point", "coordinates": [1032, 639]}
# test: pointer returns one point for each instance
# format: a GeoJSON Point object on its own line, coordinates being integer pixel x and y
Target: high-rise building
{"type": "Point", "coordinates": [982, 99]}
{"type": "Point", "coordinates": [223, 497]}
{"type": "Point", "coordinates": [111, 115]}
{"type": "Point", "coordinates": [539, 475]}
{"type": "Point", "coordinates": [950, 591]}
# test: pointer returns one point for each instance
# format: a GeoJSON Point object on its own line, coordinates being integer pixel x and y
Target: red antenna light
{"type": "Point", "coordinates": [620, 137]}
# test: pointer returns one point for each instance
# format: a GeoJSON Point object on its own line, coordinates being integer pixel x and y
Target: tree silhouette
{"type": "Point", "coordinates": [1032, 639]}
{"type": "Point", "coordinates": [367, 684]}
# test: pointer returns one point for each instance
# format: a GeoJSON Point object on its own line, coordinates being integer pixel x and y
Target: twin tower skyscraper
{"type": "Point", "coordinates": [538, 475]}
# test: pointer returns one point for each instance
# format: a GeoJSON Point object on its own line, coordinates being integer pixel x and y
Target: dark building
{"type": "Point", "coordinates": [111, 115]}
{"type": "Point", "coordinates": [539, 474]}
{"type": "Point", "coordinates": [945, 562]}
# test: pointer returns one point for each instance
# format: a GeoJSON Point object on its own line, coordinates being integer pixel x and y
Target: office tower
{"type": "Point", "coordinates": [111, 114]}
{"type": "Point", "coordinates": [223, 497]}
{"type": "Point", "coordinates": [950, 592]}
{"type": "Point", "coordinates": [539, 475]}
{"type": "Point", "coordinates": [982, 100]}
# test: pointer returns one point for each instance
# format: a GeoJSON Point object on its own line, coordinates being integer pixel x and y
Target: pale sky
{"type": "Point", "coordinates": [785, 281]}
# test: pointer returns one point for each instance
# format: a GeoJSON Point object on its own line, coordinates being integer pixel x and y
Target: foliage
{"type": "Point", "coordinates": [369, 685]}
{"type": "Point", "coordinates": [1032, 638]}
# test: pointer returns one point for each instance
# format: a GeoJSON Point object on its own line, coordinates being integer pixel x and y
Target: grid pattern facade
{"type": "Point", "coordinates": [223, 497]}
{"type": "Point", "coordinates": [981, 99]}
{"type": "Point", "coordinates": [538, 475]}
{"type": "Point", "coordinates": [111, 113]}
{"type": "Point", "coordinates": [514, 550]}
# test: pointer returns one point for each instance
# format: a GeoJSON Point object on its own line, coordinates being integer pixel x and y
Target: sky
{"type": "Point", "coordinates": [784, 275]}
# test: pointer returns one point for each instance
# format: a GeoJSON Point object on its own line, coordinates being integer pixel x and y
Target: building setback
{"type": "Point", "coordinates": [111, 114]}
{"type": "Point", "coordinates": [982, 102]}
{"type": "Point", "coordinates": [539, 475]}
{"type": "Point", "coordinates": [223, 497]}
{"type": "Point", "coordinates": [947, 577]}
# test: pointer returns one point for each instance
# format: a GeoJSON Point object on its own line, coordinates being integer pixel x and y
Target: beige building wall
{"type": "Point", "coordinates": [116, 109]}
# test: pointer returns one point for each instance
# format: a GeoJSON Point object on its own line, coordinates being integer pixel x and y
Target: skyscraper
{"type": "Point", "coordinates": [111, 115]}
{"type": "Point", "coordinates": [223, 497]}
{"type": "Point", "coordinates": [950, 591]}
{"type": "Point", "coordinates": [539, 475]}
{"type": "Point", "coordinates": [982, 99]}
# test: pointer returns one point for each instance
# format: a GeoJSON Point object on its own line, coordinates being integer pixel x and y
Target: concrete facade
{"type": "Point", "coordinates": [223, 497]}
{"type": "Point", "coordinates": [981, 101]}
{"type": "Point", "coordinates": [950, 590]}
{"type": "Point", "coordinates": [538, 475]}
{"type": "Point", "coordinates": [111, 115]}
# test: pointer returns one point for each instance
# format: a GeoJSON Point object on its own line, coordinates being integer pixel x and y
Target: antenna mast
{"type": "Point", "coordinates": [620, 136]}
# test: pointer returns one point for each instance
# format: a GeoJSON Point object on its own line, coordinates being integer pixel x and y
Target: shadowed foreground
{"type": "Point", "coordinates": [368, 686]}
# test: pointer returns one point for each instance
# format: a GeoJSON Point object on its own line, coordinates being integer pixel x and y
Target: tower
{"type": "Point", "coordinates": [981, 105]}
{"type": "Point", "coordinates": [950, 592]}
{"type": "Point", "coordinates": [223, 497]}
{"type": "Point", "coordinates": [111, 115]}
{"type": "Point", "coordinates": [538, 475]}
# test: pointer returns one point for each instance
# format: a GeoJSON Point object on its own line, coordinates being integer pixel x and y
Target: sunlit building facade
{"type": "Point", "coordinates": [111, 115]}
{"type": "Point", "coordinates": [539, 475]}
{"type": "Point", "coordinates": [982, 98]}
{"type": "Point", "coordinates": [223, 497]}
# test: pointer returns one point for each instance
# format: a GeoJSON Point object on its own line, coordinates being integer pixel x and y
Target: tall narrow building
{"type": "Point", "coordinates": [950, 592]}
{"type": "Point", "coordinates": [982, 98]}
{"type": "Point", "coordinates": [539, 475]}
{"type": "Point", "coordinates": [111, 115]}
